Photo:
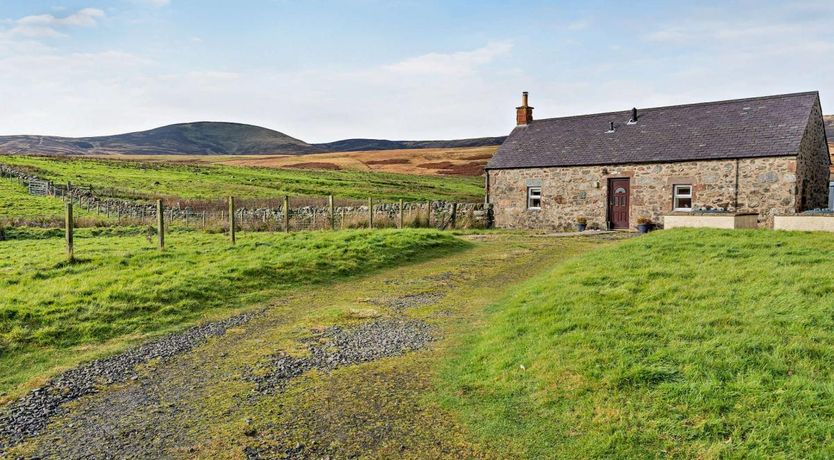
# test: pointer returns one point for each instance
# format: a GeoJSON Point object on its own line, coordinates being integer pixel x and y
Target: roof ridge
{"type": "Point", "coordinates": [691, 104]}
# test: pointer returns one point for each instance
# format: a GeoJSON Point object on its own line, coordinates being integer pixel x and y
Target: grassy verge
{"type": "Point", "coordinates": [191, 181]}
{"type": "Point", "coordinates": [124, 289]}
{"type": "Point", "coordinates": [686, 343]}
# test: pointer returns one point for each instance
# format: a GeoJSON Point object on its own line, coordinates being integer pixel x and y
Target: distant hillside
{"type": "Point", "coordinates": [356, 145]}
{"type": "Point", "coordinates": [210, 138]}
{"type": "Point", "coordinates": [201, 138]}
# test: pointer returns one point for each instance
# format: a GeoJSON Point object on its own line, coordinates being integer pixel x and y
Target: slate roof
{"type": "Point", "coordinates": [743, 128]}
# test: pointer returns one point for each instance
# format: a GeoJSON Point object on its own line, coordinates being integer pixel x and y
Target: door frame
{"type": "Point", "coordinates": [608, 197]}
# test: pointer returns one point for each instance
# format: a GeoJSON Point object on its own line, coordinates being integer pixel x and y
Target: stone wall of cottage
{"type": "Point", "coordinates": [812, 164]}
{"type": "Point", "coordinates": [766, 186]}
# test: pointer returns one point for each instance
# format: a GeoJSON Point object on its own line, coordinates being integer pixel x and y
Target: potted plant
{"type": "Point", "coordinates": [581, 224]}
{"type": "Point", "coordinates": [644, 224]}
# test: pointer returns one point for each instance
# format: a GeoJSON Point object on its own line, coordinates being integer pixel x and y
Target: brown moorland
{"type": "Point", "coordinates": [466, 161]}
{"type": "Point", "coordinates": [469, 161]}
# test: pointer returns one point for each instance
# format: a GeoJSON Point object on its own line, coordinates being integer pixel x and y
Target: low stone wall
{"type": "Point", "coordinates": [437, 214]}
{"type": "Point", "coordinates": [804, 223]}
{"type": "Point", "coordinates": [710, 221]}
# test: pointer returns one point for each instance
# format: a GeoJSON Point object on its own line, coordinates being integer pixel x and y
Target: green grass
{"type": "Point", "coordinates": [123, 288]}
{"type": "Point", "coordinates": [220, 181]}
{"type": "Point", "coordinates": [683, 343]}
{"type": "Point", "coordinates": [17, 204]}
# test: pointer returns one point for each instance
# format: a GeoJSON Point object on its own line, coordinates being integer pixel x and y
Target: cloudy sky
{"type": "Point", "coordinates": [396, 69]}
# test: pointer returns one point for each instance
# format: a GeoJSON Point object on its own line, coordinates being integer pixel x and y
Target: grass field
{"type": "Point", "coordinates": [683, 343]}
{"type": "Point", "coordinates": [17, 204]}
{"type": "Point", "coordinates": [203, 181]}
{"type": "Point", "coordinates": [121, 290]}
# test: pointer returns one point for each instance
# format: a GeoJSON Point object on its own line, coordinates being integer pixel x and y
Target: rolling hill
{"type": "Point", "coordinates": [209, 138]}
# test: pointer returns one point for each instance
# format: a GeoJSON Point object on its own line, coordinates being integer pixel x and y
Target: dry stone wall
{"type": "Point", "coordinates": [438, 214]}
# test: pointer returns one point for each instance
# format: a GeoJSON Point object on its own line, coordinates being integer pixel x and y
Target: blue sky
{"type": "Point", "coordinates": [323, 71]}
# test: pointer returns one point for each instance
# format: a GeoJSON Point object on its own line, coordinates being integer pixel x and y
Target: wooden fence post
{"type": "Point", "coordinates": [68, 230]}
{"type": "Point", "coordinates": [401, 214]}
{"type": "Point", "coordinates": [286, 213]}
{"type": "Point", "coordinates": [332, 212]}
{"type": "Point", "coordinates": [454, 217]}
{"type": "Point", "coordinates": [232, 219]}
{"type": "Point", "coordinates": [370, 213]}
{"type": "Point", "coordinates": [160, 224]}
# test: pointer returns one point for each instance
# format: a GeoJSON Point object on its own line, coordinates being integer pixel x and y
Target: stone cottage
{"type": "Point", "coordinates": [764, 155]}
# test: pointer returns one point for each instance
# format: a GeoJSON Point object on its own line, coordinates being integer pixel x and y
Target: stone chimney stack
{"type": "Point", "coordinates": [523, 114]}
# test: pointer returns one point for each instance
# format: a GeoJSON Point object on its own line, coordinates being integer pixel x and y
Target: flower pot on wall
{"type": "Point", "coordinates": [581, 227]}
{"type": "Point", "coordinates": [644, 228]}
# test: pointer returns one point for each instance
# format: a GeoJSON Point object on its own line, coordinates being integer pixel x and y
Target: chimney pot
{"type": "Point", "coordinates": [634, 115]}
{"type": "Point", "coordinates": [523, 113]}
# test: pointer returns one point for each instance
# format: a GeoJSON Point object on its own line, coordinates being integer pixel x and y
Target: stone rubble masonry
{"type": "Point", "coordinates": [812, 170]}
{"type": "Point", "coordinates": [767, 186]}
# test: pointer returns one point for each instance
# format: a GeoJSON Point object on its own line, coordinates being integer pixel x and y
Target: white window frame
{"type": "Point", "coordinates": [530, 196]}
{"type": "Point", "coordinates": [676, 195]}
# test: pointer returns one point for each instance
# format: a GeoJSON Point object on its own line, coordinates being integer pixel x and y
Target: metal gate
{"type": "Point", "coordinates": [39, 187]}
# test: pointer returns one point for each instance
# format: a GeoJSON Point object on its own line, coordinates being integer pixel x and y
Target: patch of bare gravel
{"type": "Point", "coordinates": [338, 346]}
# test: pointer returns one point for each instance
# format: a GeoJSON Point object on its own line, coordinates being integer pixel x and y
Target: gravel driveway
{"type": "Point", "coordinates": [337, 371]}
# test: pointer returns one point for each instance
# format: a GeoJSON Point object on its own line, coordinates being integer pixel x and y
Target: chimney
{"type": "Point", "coordinates": [633, 116]}
{"type": "Point", "coordinates": [524, 113]}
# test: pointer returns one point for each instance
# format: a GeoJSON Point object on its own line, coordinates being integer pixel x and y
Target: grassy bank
{"type": "Point", "coordinates": [685, 343]}
{"type": "Point", "coordinates": [190, 181]}
{"type": "Point", "coordinates": [122, 289]}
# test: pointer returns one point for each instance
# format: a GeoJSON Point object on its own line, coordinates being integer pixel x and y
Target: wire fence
{"type": "Point", "coordinates": [279, 214]}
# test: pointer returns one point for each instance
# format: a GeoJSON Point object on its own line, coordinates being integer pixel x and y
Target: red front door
{"type": "Point", "coordinates": [618, 202]}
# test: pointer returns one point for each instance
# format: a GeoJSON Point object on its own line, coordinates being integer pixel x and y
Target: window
{"type": "Point", "coordinates": [682, 198]}
{"type": "Point", "coordinates": [534, 197]}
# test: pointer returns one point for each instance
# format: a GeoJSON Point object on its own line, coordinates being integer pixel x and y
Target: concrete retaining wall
{"type": "Point", "coordinates": [806, 223]}
{"type": "Point", "coordinates": [711, 221]}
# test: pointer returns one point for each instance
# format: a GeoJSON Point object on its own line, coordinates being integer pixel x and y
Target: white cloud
{"type": "Point", "coordinates": [457, 63]}
{"type": "Point", "coordinates": [157, 3]}
{"type": "Point", "coordinates": [431, 96]}
{"type": "Point", "coordinates": [581, 24]}
{"type": "Point", "coordinates": [50, 26]}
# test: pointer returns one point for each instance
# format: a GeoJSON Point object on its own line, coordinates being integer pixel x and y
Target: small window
{"type": "Point", "coordinates": [534, 197]}
{"type": "Point", "coordinates": [683, 198]}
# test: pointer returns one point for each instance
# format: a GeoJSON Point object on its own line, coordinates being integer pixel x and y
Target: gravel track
{"type": "Point", "coordinates": [414, 301]}
{"type": "Point", "coordinates": [337, 347]}
{"type": "Point", "coordinates": [29, 415]}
